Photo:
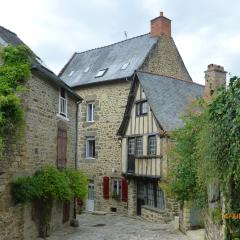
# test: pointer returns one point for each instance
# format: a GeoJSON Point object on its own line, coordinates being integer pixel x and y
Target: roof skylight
{"type": "Point", "coordinates": [71, 73]}
{"type": "Point", "coordinates": [101, 73]}
{"type": "Point", "coordinates": [86, 69]}
{"type": "Point", "coordinates": [125, 65]}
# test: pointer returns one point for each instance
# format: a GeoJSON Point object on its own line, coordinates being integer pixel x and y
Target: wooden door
{"type": "Point", "coordinates": [66, 211]}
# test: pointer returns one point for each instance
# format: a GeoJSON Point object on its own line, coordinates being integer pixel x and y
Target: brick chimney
{"type": "Point", "coordinates": [215, 77]}
{"type": "Point", "coordinates": [161, 26]}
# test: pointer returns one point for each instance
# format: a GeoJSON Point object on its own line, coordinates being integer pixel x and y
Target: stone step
{"type": "Point", "coordinates": [196, 234]}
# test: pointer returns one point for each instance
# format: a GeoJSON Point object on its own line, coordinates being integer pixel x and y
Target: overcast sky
{"type": "Point", "coordinates": [206, 31]}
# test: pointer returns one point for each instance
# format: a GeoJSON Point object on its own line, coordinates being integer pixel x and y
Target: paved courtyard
{"type": "Point", "coordinates": [113, 227]}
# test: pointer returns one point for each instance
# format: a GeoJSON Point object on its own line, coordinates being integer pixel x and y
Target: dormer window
{"type": "Point", "coordinates": [142, 108]}
{"type": "Point", "coordinates": [101, 73]}
{"type": "Point", "coordinates": [125, 65]}
{"type": "Point", "coordinates": [63, 102]}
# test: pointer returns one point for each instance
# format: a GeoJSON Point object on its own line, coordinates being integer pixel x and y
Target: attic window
{"type": "Point", "coordinates": [125, 65]}
{"type": "Point", "coordinates": [86, 69]}
{"type": "Point", "coordinates": [71, 73]}
{"type": "Point", "coordinates": [101, 73]}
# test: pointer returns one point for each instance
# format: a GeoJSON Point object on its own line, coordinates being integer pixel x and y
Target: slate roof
{"type": "Point", "coordinates": [169, 97]}
{"type": "Point", "coordinates": [112, 57]}
{"type": "Point", "coordinates": [38, 67]}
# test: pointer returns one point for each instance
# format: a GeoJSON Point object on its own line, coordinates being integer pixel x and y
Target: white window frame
{"type": "Point", "coordinates": [87, 148]}
{"type": "Point", "coordinates": [63, 100]}
{"type": "Point", "coordinates": [119, 190]}
{"type": "Point", "coordinates": [93, 112]}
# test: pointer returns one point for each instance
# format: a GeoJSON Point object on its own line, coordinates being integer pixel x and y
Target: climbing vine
{"type": "Point", "coordinates": [207, 149]}
{"type": "Point", "coordinates": [14, 71]}
{"type": "Point", "coordinates": [47, 185]}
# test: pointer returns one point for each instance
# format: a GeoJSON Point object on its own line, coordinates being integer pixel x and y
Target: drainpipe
{"type": "Point", "coordinates": [75, 223]}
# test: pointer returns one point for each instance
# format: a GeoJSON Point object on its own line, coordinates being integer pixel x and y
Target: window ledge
{"type": "Point", "coordinates": [90, 121]}
{"type": "Point", "coordinates": [62, 117]}
{"type": "Point", "coordinates": [154, 209]}
{"type": "Point", "coordinates": [90, 158]}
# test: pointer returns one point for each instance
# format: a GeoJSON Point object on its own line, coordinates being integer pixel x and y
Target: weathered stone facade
{"type": "Point", "coordinates": [37, 148]}
{"type": "Point", "coordinates": [110, 100]}
{"type": "Point", "coordinates": [164, 59]}
{"type": "Point", "coordinates": [213, 231]}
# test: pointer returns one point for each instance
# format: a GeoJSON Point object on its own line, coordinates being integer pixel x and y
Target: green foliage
{"type": "Point", "coordinates": [13, 73]}
{"type": "Point", "coordinates": [184, 161]}
{"type": "Point", "coordinates": [50, 183]}
{"type": "Point", "coordinates": [78, 183]}
{"type": "Point", "coordinates": [216, 215]}
{"type": "Point", "coordinates": [208, 148]}
{"type": "Point", "coordinates": [23, 189]}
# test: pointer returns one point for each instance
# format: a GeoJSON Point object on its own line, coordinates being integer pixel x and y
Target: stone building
{"type": "Point", "coordinates": [103, 77]}
{"type": "Point", "coordinates": [49, 138]}
{"type": "Point", "coordinates": [154, 108]}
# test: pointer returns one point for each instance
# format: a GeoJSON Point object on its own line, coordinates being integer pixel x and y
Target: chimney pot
{"type": "Point", "coordinates": [160, 26]}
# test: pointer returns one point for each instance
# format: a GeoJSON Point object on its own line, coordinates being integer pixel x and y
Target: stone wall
{"type": "Point", "coordinates": [161, 216]}
{"type": "Point", "coordinates": [213, 231]}
{"type": "Point", "coordinates": [132, 198]}
{"type": "Point", "coordinates": [35, 149]}
{"type": "Point", "coordinates": [110, 102]}
{"type": "Point", "coordinates": [164, 59]}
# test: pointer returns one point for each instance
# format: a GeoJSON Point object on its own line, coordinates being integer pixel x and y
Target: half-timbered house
{"type": "Point", "coordinates": [154, 108]}
{"type": "Point", "coordinates": [103, 76]}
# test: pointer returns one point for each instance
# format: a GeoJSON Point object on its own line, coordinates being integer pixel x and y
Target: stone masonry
{"type": "Point", "coordinates": [110, 102]}
{"type": "Point", "coordinates": [37, 148]}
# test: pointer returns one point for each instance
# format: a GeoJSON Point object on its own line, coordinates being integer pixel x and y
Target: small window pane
{"type": "Point", "coordinates": [139, 146]}
{"type": "Point", "coordinates": [144, 108]}
{"type": "Point", "coordinates": [90, 148]}
{"type": "Point", "coordinates": [152, 145]}
{"type": "Point", "coordinates": [90, 112]}
{"type": "Point", "coordinates": [160, 199]}
{"type": "Point", "coordinates": [131, 146]}
{"type": "Point", "coordinates": [101, 73]}
{"type": "Point", "coordinates": [124, 66]}
{"type": "Point", "coordinates": [86, 69]}
{"type": "Point", "coordinates": [62, 92]}
{"type": "Point", "coordinates": [116, 187]}
{"type": "Point", "coordinates": [150, 195]}
{"type": "Point", "coordinates": [138, 107]}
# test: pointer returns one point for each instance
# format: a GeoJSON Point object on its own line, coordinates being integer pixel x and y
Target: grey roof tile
{"type": "Point", "coordinates": [112, 57]}
{"type": "Point", "coordinates": [6, 36]}
{"type": "Point", "coordinates": [169, 97]}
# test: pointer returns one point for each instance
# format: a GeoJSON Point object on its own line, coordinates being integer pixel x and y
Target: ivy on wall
{"type": "Point", "coordinates": [14, 71]}
{"type": "Point", "coordinates": [47, 185]}
{"type": "Point", "coordinates": [207, 149]}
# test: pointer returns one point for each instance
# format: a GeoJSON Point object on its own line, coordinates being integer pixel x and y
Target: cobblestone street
{"type": "Point", "coordinates": [113, 227]}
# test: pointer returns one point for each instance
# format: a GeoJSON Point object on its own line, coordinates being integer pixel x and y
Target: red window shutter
{"type": "Point", "coordinates": [106, 187]}
{"type": "Point", "coordinates": [124, 190]}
